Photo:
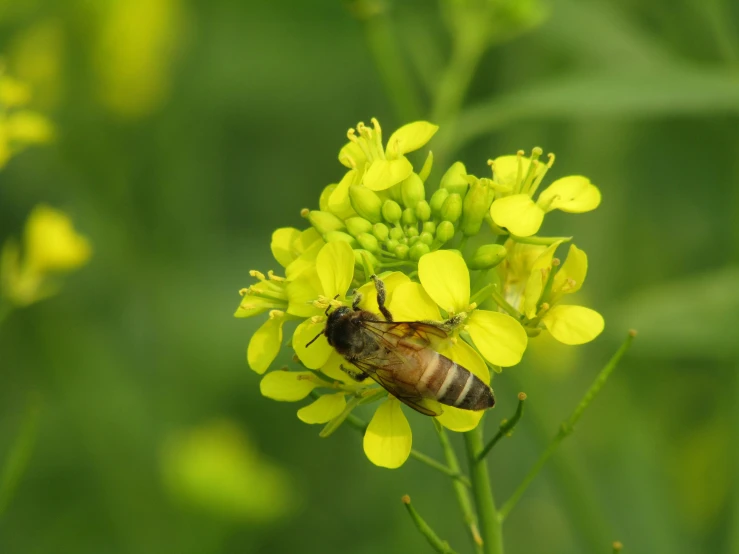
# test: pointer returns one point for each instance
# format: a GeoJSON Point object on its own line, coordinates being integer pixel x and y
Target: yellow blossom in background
{"type": "Point", "coordinates": [36, 56]}
{"type": "Point", "coordinates": [216, 469]}
{"type": "Point", "coordinates": [136, 47]}
{"type": "Point", "coordinates": [51, 246]}
{"type": "Point", "coordinates": [20, 127]}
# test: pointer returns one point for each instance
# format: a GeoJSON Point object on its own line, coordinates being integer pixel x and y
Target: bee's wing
{"type": "Point", "coordinates": [384, 377]}
{"type": "Point", "coordinates": [384, 368]}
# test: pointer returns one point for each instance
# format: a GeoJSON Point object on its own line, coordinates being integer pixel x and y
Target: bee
{"type": "Point", "coordinates": [399, 357]}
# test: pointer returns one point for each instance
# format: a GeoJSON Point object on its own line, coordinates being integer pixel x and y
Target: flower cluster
{"type": "Point", "coordinates": [19, 126]}
{"type": "Point", "coordinates": [467, 251]}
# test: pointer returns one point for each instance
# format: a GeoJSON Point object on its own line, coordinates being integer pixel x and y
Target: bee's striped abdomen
{"type": "Point", "coordinates": [453, 385]}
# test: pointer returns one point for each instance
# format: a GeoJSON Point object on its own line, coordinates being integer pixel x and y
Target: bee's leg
{"type": "Point", "coordinates": [450, 324]}
{"type": "Point", "coordinates": [356, 375]}
{"type": "Point", "coordinates": [357, 300]}
{"type": "Point", "coordinates": [380, 286]}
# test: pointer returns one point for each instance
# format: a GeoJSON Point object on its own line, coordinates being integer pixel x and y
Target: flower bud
{"type": "Point", "coordinates": [418, 250]}
{"type": "Point", "coordinates": [423, 210]}
{"type": "Point", "coordinates": [412, 231]}
{"type": "Point", "coordinates": [381, 231]}
{"type": "Point", "coordinates": [445, 231]}
{"type": "Point", "coordinates": [437, 200]}
{"type": "Point", "coordinates": [368, 242]}
{"type": "Point", "coordinates": [452, 208]}
{"type": "Point", "coordinates": [413, 240]}
{"type": "Point", "coordinates": [474, 207]}
{"type": "Point", "coordinates": [323, 199]}
{"type": "Point", "coordinates": [357, 225]}
{"type": "Point", "coordinates": [427, 238]}
{"type": "Point", "coordinates": [409, 217]}
{"type": "Point", "coordinates": [429, 227]}
{"type": "Point", "coordinates": [412, 191]}
{"type": "Point", "coordinates": [390, 244]}
{"type": "Point", "coordinates": [455, 179]}
{"type": "Point", "coordinates": [487, 256]}
{"type": "Point", "coordinates": [333, 236]}
{"type": "Point", "coordinates": [325, 222]}
{"type": "Point", "coordinates": [391, 211]}
{"type": "Point", "coordinates": [397, 233]}
{"type": "Point", "coordinates": [401, 251]}
{"type": "Point", "coordinates": [359, 254]}
{"type": "Point", "coordinates": [366, 203]}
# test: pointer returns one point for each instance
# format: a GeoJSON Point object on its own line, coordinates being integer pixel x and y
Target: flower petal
{"type": "Point", "coordinates": [466, 356]}
{"type": "Point", "coordinates": [317, 354]}
{"type": "Point", "coordinates": [324, 409]}
{"type": "Point", "coordinates": [383, 174]}
{"type": "Point", "coordinates": [339, 203]}
{"type": "Point", "coordinates": [307, 239]}
{"type": "Point", "coordinates": [287, 386]}
{"type": "Point", "coordinates": [537, 279]}
{"type": "Point", "coordinates": [351, 155]}
{"type": "Point", "coordinates": [446, 279]}
{"type": "Point", "coordinates": [265, 343]}
{"type": "Point", "coordinates": [306, 260]}
{"type": "Point", "coordinates": [335, 266]}
{"type": "Point", "coordinates": [388, 439]}
{"type": "Point", "coordinates": [571, 275]}
{"type": "Point", "coordinates": [574, 194]}
{"type": "Point", "coordinates": [573, 324]}
{"type": "Point", "coordinates": [332, 370]}
{"type": "Point", "coordinates": [518, 213]}
{"type": "Point", "coordinates": [410, 302]}
{"type": "Point", "coordinates": [369, 291]}
{"type": "Point", "coordinates": [459, 420]}
{"type": "Point", "coordinates": [410, 137]}
{"type": "Point", "coordinates": [282, 245]}
{"type": "Point", "coordinates": [499, 338]}
{"type": "Point", "coordinates": [302, 292]}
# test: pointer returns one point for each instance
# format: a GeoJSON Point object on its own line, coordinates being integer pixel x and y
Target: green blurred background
{"type": "Point", "coordinates": [188, 131]}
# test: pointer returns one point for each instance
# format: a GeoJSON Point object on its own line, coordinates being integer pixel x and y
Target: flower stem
{"type": "Point", "coordinates": [439, 545]}
{"type": "Point", "coordinates": [20, 453]}
{"type": "Point", "coordinates": [490, 522]}
{"type": "Point", "coordinates": [506, 426]}
{"type": "Point", "coordinates": [455, 474]}
{"type": "Point", "coordinates": [463, 494]}
{"type": "Point", "coordinates": [503, 303]}
{"type": "Point", "coordinates": [389, 61]}
{"type": "Point", "coordinates": [567, 426]}
{"type": "Point", "coordinates": [542, 241]}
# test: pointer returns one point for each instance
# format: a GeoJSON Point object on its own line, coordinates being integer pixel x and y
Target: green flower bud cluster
{"type": "Point", "coordinates": [407, 220]}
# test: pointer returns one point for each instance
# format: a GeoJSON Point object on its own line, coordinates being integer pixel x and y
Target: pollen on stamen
{"type": "Point", "coordinates": [274, 314]}
{"type": "Point", "coordinates": [272, 277]}
{"type": "Point", "coordinates": [317, 319]}
{"type": "Point", "coordinates": [244, 291]}
{"type": "Point", "coordinates": [304, 212]}
{"type": "Point", "coordinates": [351, 135]}
{"type": "Point", "coordinates": [257, 275]}
{"type": "Point", "coordinates": [555, 262]}
{"type": "Point", "coordinates": [522, 396]}
{"type": "Point", "coordinates": [405, 499]}
{"type": "Point", "coordinates": [551, 157]}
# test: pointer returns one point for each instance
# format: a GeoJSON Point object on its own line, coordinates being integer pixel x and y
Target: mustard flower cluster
{"type": "Point", "coordinates": [460, 246]}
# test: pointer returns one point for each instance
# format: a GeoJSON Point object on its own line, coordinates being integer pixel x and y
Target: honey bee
{"type": "Point", "coordinates": [398, 356]}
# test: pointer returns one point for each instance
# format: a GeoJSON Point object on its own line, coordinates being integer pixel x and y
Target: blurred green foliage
{"type": "Point", "coordinates": [187, 131]}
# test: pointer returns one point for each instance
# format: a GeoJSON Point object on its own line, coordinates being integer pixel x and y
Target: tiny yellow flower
{"type": "Point", "coordinates": [519, 178]}
{"type": "Point", "coordinates": [51, 246]}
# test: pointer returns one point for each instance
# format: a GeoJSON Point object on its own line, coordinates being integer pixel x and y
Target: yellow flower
{"type": "Point", "coordinates": [519, 178]}
{"type": "Point", "coordinates": [51, 245]}
{"type": "Point", "coordinates": [546, 285]}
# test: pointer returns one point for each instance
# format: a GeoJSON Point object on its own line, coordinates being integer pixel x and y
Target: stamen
{"type": "Point", "coordinates": [272, 277]}
{"type": "Point", "coordinates": [304, 212]}
{"type": "Point", "coordinates": [257, 275]}
{"type": "Point", "coordinates": [244, 291]}
{"type": "Point", "coordinates": [377, 134]}
{"type": "Point", "coordinates": [555, 262]}
{"type": "Point", "coordinates": [533, 169]}
{"type": "Point", "coordinates": [519, 173]}
{"type": "Point", "coordinates": [274, 314]}
{"type": "Point", "coordinates": [540, 178]}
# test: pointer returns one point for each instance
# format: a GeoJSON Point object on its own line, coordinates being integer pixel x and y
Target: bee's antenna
{"type": "Point", "coordinates": [314, 339]}
{"type": "Point", "coordinates": [327, 309]}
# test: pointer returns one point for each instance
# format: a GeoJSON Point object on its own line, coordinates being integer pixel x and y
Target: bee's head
{"type": "Point", "coordinates": [332, 323]}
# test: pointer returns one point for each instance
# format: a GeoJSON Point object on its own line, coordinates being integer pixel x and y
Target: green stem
{"type": "Point", "coordinates": [506, 426]}
{"type": "Point", "coordinates": [20, 453]}
{"type": "Point", "coordinates": [463, 494]}
{"type": "Point", "coordinates": [389, 61]}
{"type": "Point", "coordinates": [543, 241]}
{"type": "Point", "coordinates": [503, 303]}
{"type": "Point", "coordinates": [439, 545]}
{"type": "Point", "coordinates": [489, 520]}
{"type": "Point", "coordinates": [567, 426]}
{"type": "Point", "coordinates": [457, 77]}
{"type": "Point", "coordinates": [361, 425]}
